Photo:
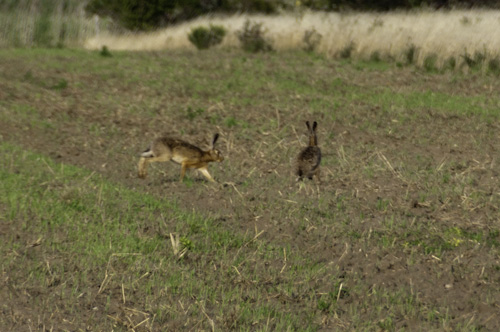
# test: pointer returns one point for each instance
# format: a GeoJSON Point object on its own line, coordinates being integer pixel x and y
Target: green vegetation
{"type": "Point", "coordinates": [204, 38]}
{"type": "Point", "coordinates": [402, 233]}
{"type": "Point", "coordinates": [252, 38]}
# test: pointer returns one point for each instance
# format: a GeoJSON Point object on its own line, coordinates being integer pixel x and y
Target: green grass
{"type": "Point", "coordinates": [402, 228]}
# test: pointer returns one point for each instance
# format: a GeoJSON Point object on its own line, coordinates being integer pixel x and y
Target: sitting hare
{"type": "Point", "coordinates": [187, 155]}
{"type": "Point", "coordinates": [309, 158]}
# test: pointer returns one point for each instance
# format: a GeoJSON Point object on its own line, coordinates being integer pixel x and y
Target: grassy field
{"type": "Point", "coordinates": [403, 233]}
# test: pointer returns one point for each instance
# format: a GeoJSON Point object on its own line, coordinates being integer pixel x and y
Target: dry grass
{"type": "Point", "coordinates": [445, 34]}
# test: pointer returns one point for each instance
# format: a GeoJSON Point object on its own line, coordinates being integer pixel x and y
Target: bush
{"type": "Point", "coordinates": [430, 62]}
{"type": "Point", "coordinates": [311, 39]}
{"type": "Point", "coordinates": [474, 62]}
{"type": "Point", "coordinates": [252, 38]}
{"type": "Point", "coordinates": [346, 52]}
{"type": "Point", "coordinates": [204, 38]}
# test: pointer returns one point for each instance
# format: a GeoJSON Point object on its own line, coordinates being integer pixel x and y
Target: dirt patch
{"type": "Point", "coordinates": [408, 205]}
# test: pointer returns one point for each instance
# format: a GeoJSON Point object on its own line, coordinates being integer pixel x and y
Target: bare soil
{"type": "Point", "coordinates": [376, 167]}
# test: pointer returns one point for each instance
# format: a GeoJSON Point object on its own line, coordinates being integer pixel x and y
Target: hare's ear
{"type": "Point", "coordinates": [315, 124]}
{"type": "Point", "coordinates": [216, 137]}
{"type": "Point", "coordinates": [308, 126]}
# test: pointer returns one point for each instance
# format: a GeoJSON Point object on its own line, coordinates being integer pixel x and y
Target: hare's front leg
{"type": "Point", "coordinates": [183, 171]}
{"type": "Point", "coordinates": [204, 171]}
{"type": "Point", "coordinates": [143, 167]}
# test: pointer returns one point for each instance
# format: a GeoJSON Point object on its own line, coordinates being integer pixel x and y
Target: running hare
{"type": "Point", "coordinates": [309, 158]}
{"type": "Point", "coordinates": [187, 155]}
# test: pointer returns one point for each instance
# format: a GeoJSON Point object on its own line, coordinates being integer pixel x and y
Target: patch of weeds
{"type": "Point", "coordinates": [28, 76]}
{"type": "Point", "coordinates": [465, 20]}
{"type": "Point", "coordinates": [311, 40]}
{"type": "Point", "coordinates": [410, 54]}
{"type": "Point", "coordinates": [346, 52]}
{"type": "Point", "coordinates": [104, 52]}
{"type": "Point", "coordinates": [61, 85]}
{"type": "Point", "coordinates": [430, 63]}
{"type": "Point", "coordinates": [377, 23]}
{"type": "Point", "coordinates": [475, 61]}
{"type": "Point", "coordinates": [382, 204]}
{"type": "Point", "coordinates": [230, 122]}
{"type": "Point", "coordinates": [493, 238]}
{"type": "Point", "coordinates": [186, 243]}
{"type": "Point", "coordinates": [386, 324]}
{"type": "Point", "coordinates": [204, 38]}
{"type": "Point", "coordinates": [446, 177]}
{"type": "Point", "coordinates": [193, 114]}
{"type": "Point", "coordinates": [375, 56]}
{"type": "Point", "coordinates": [327, 302]}
{"type": "Point", "coordinates": [449, 64]}
{"type": "Point", "coordinates": [494, 66]}
{"type": "Point", "coordinates": [252, 38]}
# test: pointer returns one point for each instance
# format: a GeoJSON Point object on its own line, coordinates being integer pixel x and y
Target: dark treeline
{"type": "Point", "coordinates": [151, 14]}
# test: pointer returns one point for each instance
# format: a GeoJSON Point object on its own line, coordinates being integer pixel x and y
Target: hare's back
{"type": "Point", "coordinates": [310, 157]}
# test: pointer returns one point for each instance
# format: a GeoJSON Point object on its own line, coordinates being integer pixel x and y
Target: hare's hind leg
{"type": "Point", "coordinates": [145, 160]}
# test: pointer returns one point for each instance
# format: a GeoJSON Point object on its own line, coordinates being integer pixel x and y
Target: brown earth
{"type": "Point", "coordinates": [371, 158]}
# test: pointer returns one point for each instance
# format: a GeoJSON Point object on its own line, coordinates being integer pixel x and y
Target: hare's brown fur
{"type": "Point", "coordinates": [309, 158]}
{"type": "Point", "coordinates": [181, 152]}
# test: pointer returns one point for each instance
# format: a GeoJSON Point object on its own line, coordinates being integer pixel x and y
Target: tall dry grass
{"type": "Point", "coordinates": [402, 36]}
{"type": "Point", "coordinates": [31, 23]}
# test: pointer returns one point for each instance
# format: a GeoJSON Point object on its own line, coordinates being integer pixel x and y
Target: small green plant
{"type": "Point", "coordinates": [204, 38]}
{"type": "Point", "coordinates": [105, 52]}
{"type": "Point", "coordinates": [231, 122]}
{"type": "Point", "coordinates": [252, 38]}
{"type": "Point", "coordinates": [311, 39]}
{"type": "Point", "coordinates": [61, 85]}
{"type": "Point", "coordinates": [186, 243]}
{"type": "Point", "coordinates": [192, 114]}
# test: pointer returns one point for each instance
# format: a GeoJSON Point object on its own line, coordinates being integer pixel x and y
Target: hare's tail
{"type": "Point", "coordinates": [147, 154]}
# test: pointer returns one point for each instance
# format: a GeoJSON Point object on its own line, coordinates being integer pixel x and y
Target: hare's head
{"type": "Point", "coordinates": [313, 139]}
{"type": "Point", "coordinates": [213, 153]}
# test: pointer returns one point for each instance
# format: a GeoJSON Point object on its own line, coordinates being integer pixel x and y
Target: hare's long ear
{"type": "Point", "coordinates": [315, 124]}
{"type": "Point", "coordinates": [216, 137]}
{"type": "Point", "coordinates": [308, 126]}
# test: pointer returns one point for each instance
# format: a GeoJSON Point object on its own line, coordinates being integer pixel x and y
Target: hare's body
{"type": "Point", "coordinates": [181, 152]}
{"type": "Point", "coordinates": [309, 158]}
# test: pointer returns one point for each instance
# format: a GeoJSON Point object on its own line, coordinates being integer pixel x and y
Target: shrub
{"type": "Point", "coordinates": [105, 52]}
{"type": "Point", "coordinates": [450, 64]}
{"type": "Point", "coordinates": [494, 66]}
{"type": "Point", "coordinates": [475, 61]}
{"type": "Point", "coordinates": [311, 39]}
{"type": "Point", "coordinates": [430, 62]}
{"type": "Point", "coordinates": [252, 38]}
{"type": "Point", "coordinates": [346, 52]}
{"type": "Point", "coordinates": [375, 56]}
{"type": "Point", "coordinates": [410, 54]}
{"type": "Point", "coordinates": [203, 37]}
